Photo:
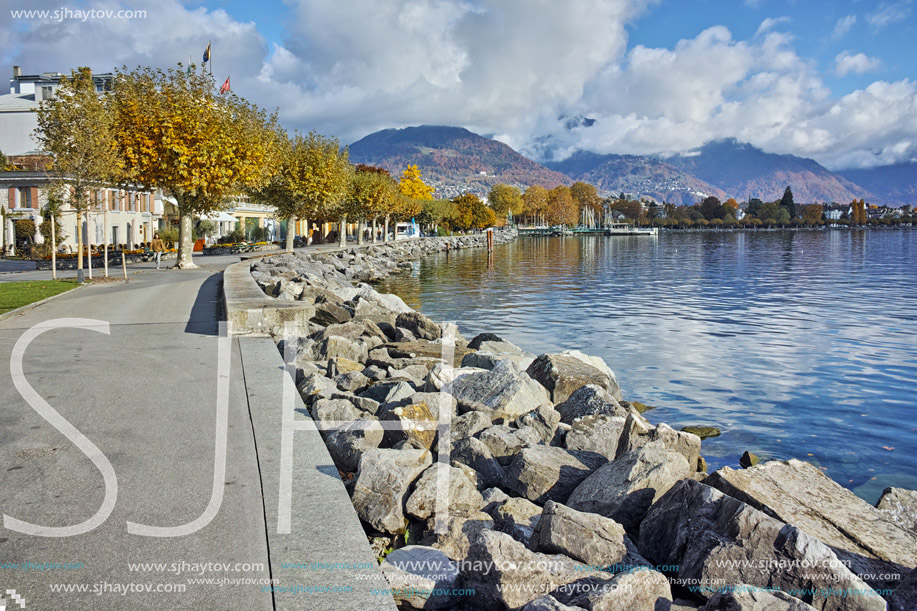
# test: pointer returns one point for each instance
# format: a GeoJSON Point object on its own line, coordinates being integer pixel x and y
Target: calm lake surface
{"type": "Point", "coordinates": [795, 343]}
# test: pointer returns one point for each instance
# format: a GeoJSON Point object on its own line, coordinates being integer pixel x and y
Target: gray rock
{"type": "Point", "coordinates": [505, 442]}
{"type": "Point", "coordinates": [351, 382]}
{"type": "Point", "coordinates": [361, 403]}
{"type": "Point", "coordinates": [562, 374]}
{"type": "Point", "coordinates": [404, 335]}
{"type": "Point", "coordinates": [547, 473]}
{"type": "Point", "coordinates": [460, 529]}
{"type": "Point", "coordinates": [598, 433]}
{"type": "Point", "coordinates": [399, 392]}
{"type": "Point", "coordinates": [460, 492]}
{"type": "Point", "coordinates": [900, 505]}
{"type": "Point", "coordinates": [382, 483]}
{"type": "Point", "coordinates": [493, 497]}
{"type": "Point", "coordinates": [434, 401]}
{"type": "Point", "coordinates": [549, 603]}
{"type": "Point", "coordinates": [624, 489]}
{"type": "Point", "coordinates": [501, 347]}
{"type": "Point", "coordinates": [300, 348]}
{"type": "Point", "coordinates": [414, 373]}
{"type": "Point", "coordinates": [544, 420]}
{"type": "Point", "coordinates": [415, 572]}
{"type": "Point", "coordinates": [633, 591]}
{"type": "Point", "coordinates": [477, 340]}
{"type": "Point", "coordinates": [517, 518]}
{"type": "Point", "coordinates": [331, 314]}
{"type": "Point", "coordinates": [419, 325]}
{"type": "Point", "coordinates": [327, 412]}
{"type": "Point", "coordinates": [416, 424]}
{"type": "Point", "coordinates": [798, 493]}
{"type": "Point", "coordinates": [503, 392]}
{"type": "Point", "coordinates": [338, 366]}
{"type": "Point", "coordinates": [715, 539]}
{"type": "Point", "coordinates": [347, 444]}
{"type": "Point", "coordinates": [746, 598]}
{"type": "Point", "coordinates": [595, 540]}
{"type": "Point", "coordinates": [686, 444]}
{"type": "Point", "coordinates": [314, 384]}
{"type": "Point", "coordinates": [904, 597]}
{"type": "Point", "coordinates": [340, 346]}
{"type": "Point", "coordinates": [589, 400]}
{"type": "Point", "coordinates": [469, 425]}
{"type": "Point", "coordinates": [375, 373]}
{"type": "Point", "coordinates": [637, 433]}
{"type": "Point", "coordinates": [472, 452]}
{"type": "Point", "coordinates": [489, 360]}
{"type": "Point", "coordinates": [534, 574]}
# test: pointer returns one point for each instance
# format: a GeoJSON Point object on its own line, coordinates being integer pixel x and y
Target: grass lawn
{"type": "Point", "coordinates": [17, 294]}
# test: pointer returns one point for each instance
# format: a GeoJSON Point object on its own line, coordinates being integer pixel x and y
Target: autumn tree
{"type": "Point", "coordinates": [372, 194]}
{"type": "Point", "coordinates": [75, 127]}
{"type": "Point", "coordinates": [858, 214]}
{"type": "Point", "coordinates": [505, 200]}
{"type": "Point", "coordinates": [562, 208]}
{"type": "Point", "coordinates": [812, 213]}
{"type": "Point", "coordinates": [586, 196]}
{"type": "Point", "coordinates": [631, 209]}
{"type": "Point", "coordinates": [472, 213]}
{"type": "Point", "coordinates": [535, 202]}
{"type": "Point", "coordinates": [173, 132]}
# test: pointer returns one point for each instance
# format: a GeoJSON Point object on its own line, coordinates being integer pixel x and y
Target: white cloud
{"type": "Point", "coordinates": [771, 23]}
{"type": "Point", "coordinates": [843, 26]}
{"type": "Point", "coordinates": [888, 13]}
{"type": "Point", "coordinates": [517, 68]}
{"type": "Point", "coordinates": [857, 63]}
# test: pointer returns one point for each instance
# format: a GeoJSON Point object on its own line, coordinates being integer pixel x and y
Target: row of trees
{"type": "Point", "coordinates": [171, 130]}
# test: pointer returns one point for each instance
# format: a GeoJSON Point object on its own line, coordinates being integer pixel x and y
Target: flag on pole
{"type": "Point", "coordinates": [207, 53]}
{"type": "Point", "coordinates": [225, 86]}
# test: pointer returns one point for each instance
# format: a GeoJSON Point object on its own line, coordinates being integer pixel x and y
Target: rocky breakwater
{"type": "Point", "coordinates": [522, 481]}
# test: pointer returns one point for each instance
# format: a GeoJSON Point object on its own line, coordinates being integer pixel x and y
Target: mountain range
{"type": "Point", "coordinates": [455, 160]}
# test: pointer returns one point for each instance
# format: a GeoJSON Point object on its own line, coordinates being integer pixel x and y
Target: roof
{"type": "Point", "coordinates": [14, 102]}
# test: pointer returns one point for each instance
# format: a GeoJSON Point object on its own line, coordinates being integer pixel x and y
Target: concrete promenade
{"type": "Point", "coordinates": [146, 395]}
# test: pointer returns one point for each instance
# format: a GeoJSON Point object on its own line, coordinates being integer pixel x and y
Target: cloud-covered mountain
{"type": "Point", "coordinates": [452, 159]}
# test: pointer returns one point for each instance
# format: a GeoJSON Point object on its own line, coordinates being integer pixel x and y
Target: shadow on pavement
{"type": "Point", "coordinates": [206, 311]}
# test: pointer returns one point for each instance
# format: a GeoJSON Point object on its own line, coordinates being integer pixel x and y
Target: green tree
{"type": "Point", "coordinates": [787, 203]}
{"type": "Point", "coordinates": [75, 127]}
{"type": "Point", "coordinates": [754, 206]}
{"type": "Point", "coordinates": [711, 208]}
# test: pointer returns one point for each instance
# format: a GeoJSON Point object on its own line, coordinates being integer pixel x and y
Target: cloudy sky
{"type": "Point", "coordinates": [833, 80]}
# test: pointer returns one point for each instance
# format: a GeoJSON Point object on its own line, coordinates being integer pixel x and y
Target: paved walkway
{"type": "Point", "coordinates": [145, 394]}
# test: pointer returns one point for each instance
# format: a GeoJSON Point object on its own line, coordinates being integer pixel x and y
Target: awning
{"type": "Point", "coordinates": [218, 217]}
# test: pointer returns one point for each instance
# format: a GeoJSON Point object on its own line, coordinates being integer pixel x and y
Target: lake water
{"type": "Point", "coordinates": [795, 343]}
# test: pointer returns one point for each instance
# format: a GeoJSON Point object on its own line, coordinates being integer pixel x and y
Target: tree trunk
{"type": "Point", "coordinates": [105, 238]}
{"type": "Point", "coordinates": [291, 232]}
{"type": "Point", "coordinates": [185, 240]}
{"type": "Point", "coordinates": [385, 234]}
{"type": "Point", "coordinates": [374, 230]}
{"type": "Point", "coordinates": [343, 236]}
{"type": "Point", "coordinates": [79, 239]}
{"type": "Point", "coordinates": [308, 233]}
{"type": "Point", "coordinates": [360, 232]}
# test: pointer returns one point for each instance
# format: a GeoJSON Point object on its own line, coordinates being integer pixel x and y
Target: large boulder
{"type": "Point", "coordinates": [516, 517]}
{"type": "Point", "coordinates": [469, 424]}
{"type": "Point", "coordinates": [624, 488]}
{"type": "Point", "coordinates": [412, 422]}
{"type": "Point", "coordinates": [382, 484]}
{"type": "Point", "coordinates": [562, 374]}
{"type": "Point", "coordinates": [505, 442]}
{"type": "Point", "coordinates": [472, 452]}
{"type": "Point", "coordinates": [548, 473]}
{"type": "Point", "coordinates": [502, 392]}
{"type": "Point", "coordinates": [630, 591]}
{"type": "Point", "coordinates": [348, 443]}
{"type": "Point", "coordinates": [589, 400]}
{"type": "Point", "coordinates": [686, 444]}
{"type": "Point", "coordinates": [458, 530]}
{"type": "Point", "coordinates": [421, 577]}
{"type": "Point", "coordinates": [504, 573]}
{"type": "Point", "coordinates": [419, 325]}
{"type": "Point", "coordinates": [489, 360]}
{"type": "Point", "coordinates": [544, 419]}
{"type": "Point", "coordinates": [459, 492]}
{"type": "Point", "coordinates": [549, 603]}
{"type": "Point", "coordinates": [716, 541]}
{"type": "Point", "coordinates": [598, 433]}
{"type": "Point", "coordinates": [904, 597]}
{"type": "Point", "coordinates": [900, 505]}
{"type": "Point", "coordinates": [595, 540]}
{"type": "Point", "coordinates": [747, 598]}
{"type": "Point", "coordinates": [340, 346]}
{"type": "Point", "coordinates": [798, 493]}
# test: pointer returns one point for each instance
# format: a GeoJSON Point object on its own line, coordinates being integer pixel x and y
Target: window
{"type": "Point", "coordinates": [25, 197]}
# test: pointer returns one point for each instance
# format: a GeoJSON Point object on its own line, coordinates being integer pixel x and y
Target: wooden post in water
{"type": "Point", "coordinates": [490, 240]}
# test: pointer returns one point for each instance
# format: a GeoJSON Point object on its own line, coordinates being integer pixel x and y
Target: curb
{"type": "Point", "coordinates": [35, 304]}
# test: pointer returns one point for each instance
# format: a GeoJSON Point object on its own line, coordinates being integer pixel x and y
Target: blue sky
{"type": "Point", "coordinates": [834, 81]}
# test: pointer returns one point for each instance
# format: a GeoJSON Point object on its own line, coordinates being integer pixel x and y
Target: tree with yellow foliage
{"type": "Point", "coordinates": [173, 132]}
{"type": "Point", "coordinates": [535, 202]}
{"type": "Point", "coordinates": [75, 127]}
{"type": "Point", "coordinates": [413, 186]}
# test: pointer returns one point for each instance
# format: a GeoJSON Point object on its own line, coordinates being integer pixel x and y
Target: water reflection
{"type": "Point", "coordinates": [796, 344]}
